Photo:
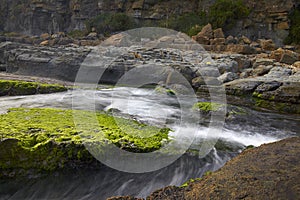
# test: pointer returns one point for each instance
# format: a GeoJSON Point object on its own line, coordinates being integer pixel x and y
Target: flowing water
{"type": "Point", "coordinates": [145, 105]}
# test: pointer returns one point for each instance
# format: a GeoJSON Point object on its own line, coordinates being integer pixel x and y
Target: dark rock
{"type": "Point", "coordinates": [227, 77]}
{"type": "Point", "coordinates": [268, 86]}
{"type": "Point", "coordinates": [241, 87]}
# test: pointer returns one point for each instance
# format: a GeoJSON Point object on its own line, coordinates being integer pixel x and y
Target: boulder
{"type": "Point", "coordinates": [227, 77]}
{"type": "Point", "coordinates": [218, 33]}
{"type": "Point", "coordinates": [267, 45]}
{"type": "Point", "coordinates": [284, 56]}
{"type": "Point", "coordinates": [206, 31]}
{"type": "Point", "coordinates": [45, 36]}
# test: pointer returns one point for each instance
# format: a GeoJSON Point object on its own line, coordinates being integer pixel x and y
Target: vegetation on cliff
{"type": "Point", "coordinates": [294, 36]}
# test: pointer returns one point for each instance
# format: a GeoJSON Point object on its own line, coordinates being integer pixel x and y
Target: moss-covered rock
{"type": "Point", "coordinates": [47, 139]}
{"type": "Point", "coordinates": [14, 88]}
{"type": "Point", "coordinates": [207, 106]}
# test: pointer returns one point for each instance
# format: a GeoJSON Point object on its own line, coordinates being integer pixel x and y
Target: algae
{"type": "Point", "coordinates": [207, 106]}
{"type": "Point", "coordinates": [14, 88]}
{"type": "Point", "coordinates": [48, 139]}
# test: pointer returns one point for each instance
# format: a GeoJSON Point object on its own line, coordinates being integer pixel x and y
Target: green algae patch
{"type": "Point", "coordinates": [14, 88]}
{"type": "Point", "coordinates": [207, 106]}
{"type": "Point", "coordinates": [48, 139]}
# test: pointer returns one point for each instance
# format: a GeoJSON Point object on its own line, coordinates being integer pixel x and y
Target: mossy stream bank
{"type": "Point", "coordinates": [41, 140]}
{"type": "Point", "coordinates": [16, 87]}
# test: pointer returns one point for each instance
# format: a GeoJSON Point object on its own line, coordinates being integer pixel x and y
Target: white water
{"type": "Point", "coordinates": [254, 128]}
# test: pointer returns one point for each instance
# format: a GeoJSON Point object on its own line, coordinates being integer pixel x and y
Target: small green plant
{"type": "Point", "coordinates": [225, 13]}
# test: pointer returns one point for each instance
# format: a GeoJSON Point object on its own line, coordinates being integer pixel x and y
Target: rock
{"type": "Point", "coordinates": [242, 49]}
{"type": "Point", "coordinates": [268, 86]}
{"type": "Point", "coordinates": [263, 61]}
{"type": "Point", "coordinates": [218, 33]}
{"type": "Point", "coordinates": [202, 39]}
{"type": "Point", "coordinates": [227, 77]}
{"type": "Point", "coordinates": [279, 72]}
{"type": "Point", "coordinates": [206, 32]}
{"type": "Point", "coordinates": [261, 70]}
{"type": "Point", "coordinates": [283, 26]}
{"type": "Point", "coordinates": [198, 81]}
{"type": "Point", "coordinates": [241, 87]}
{"type": "Point", "coordinates": [227, 66]}
{"type": "Point", "coordinates": [246, 73]}
{"type": "Point", "coordinates": [45, 43]}
{"type": "Point", "coordinates": [244, 40]}
{"type": "Point", "coordinates": [230, 40]}
{"type": "Point", "coordinates": [259, 173]}
{"type": "Point", "coordinates": [267, 45]}
{"type": "Point", "coordinates": [217, 41]}
{"type": "Point", "coordinates": [297, 64]}
{"type": "Point", "coordinates": [45, 36]}
{"type": "Point", "coordinates": [289, 57]}
{"type": "Point", "coordinates": [92, 35]}
{"type": "Point", "coordinates": [124, 198]}
{"type": "Point", "coordinates": [284, 56]}
{"type": "Point", "coordinates": [209, 71]}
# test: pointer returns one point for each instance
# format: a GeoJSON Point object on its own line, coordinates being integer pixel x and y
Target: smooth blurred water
{"type": "Point", "coordinates": [145, 105]}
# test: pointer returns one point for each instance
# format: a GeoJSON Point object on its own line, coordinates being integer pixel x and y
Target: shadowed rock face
{"type": "Point", "coordinates": [271, 171]}
{"type": "Point", "coordinates": [268, 19]}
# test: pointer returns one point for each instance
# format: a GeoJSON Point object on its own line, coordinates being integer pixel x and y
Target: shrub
{"type": "Point", "coordinates": [188, 23]}
{"type": "Point", "coordinates": [225, 13]}
{"type": "Point", "coordinates": [294, 36]}
{"type": "Point", "coordinates": [108, 23]}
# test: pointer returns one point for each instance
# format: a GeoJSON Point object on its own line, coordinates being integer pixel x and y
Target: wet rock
{"type": "Point", "coordinates": [268, 86]}
{"type": "Point", "coordinates": [227, 77]}
{"type": "Point", "coordinates": [241, 87]}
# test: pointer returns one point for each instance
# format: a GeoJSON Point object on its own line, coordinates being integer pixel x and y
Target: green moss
{"type": "Point", "coordinates": [185, 184]}
{"type": "Point", "coordinates": [13, 88]}
{"type": "Point", "coordinates": [256, 94]}
{"type": "Point", "coordinates": [207, 106]}
{"type": "Point", "coordinates": [48, 139]}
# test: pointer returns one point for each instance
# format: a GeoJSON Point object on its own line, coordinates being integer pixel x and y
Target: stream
{"type": "Point", "coordinates": [145, 105]}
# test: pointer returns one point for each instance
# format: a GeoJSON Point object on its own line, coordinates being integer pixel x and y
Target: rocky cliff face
{"type": "Point", "coordinates": [268, 18]}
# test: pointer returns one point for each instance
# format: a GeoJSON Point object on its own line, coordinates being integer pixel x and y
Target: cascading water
{"type": "Point", "coordinates": [250, 128]}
